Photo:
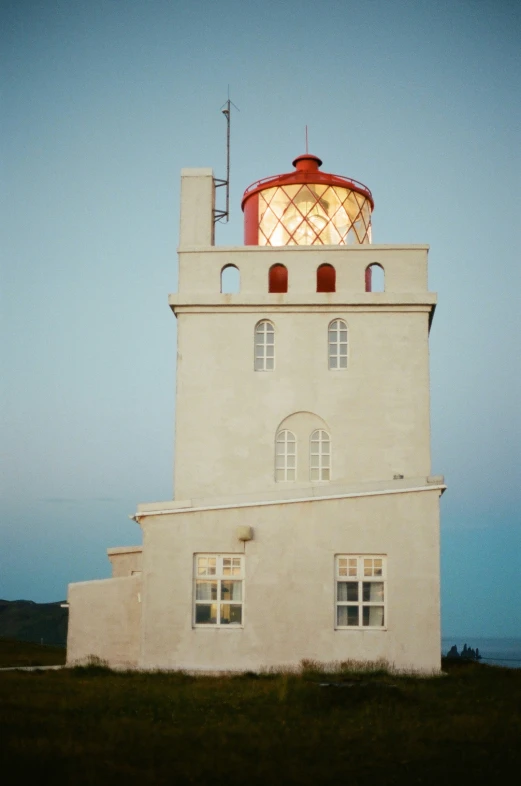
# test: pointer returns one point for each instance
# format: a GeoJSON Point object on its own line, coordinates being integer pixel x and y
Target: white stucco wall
{"type": "Point", "coordinates": [104, 621]}
{"type": "Point", "coordinates": [227, 414]}
{"type": "Point", "coordinates": [289, 584]}
{"type": "Point", "coordinates": [125, 560]}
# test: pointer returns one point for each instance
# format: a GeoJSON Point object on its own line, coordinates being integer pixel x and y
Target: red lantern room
{"type": "Point", "coordinates": [307, 207]}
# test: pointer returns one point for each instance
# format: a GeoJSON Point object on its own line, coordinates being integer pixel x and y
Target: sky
{"type": "Point", "coordinates": [103, 103]}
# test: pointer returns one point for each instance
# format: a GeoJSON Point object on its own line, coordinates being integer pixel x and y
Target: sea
{"type": "Point", "coordinates": [498, 652]}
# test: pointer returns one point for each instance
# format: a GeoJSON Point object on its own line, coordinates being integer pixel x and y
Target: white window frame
{"type": "Point", "coordinates": [217, 569]}
{"type": "Point", "coordinates": [320, 456]}
{"type": "Point", "coordinates": [361, 569]}
{"type": "Point", "coordinates": [338, 344]}
{"type": "Point", "coordinates": [264, 346]}
{"type": "Point", "coordinates": [285, 456]}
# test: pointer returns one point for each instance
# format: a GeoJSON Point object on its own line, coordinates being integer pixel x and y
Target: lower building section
{"type": "Point", "coordinates": [269, 584]}
{"type": "Point", "coordinates": [105, 621]}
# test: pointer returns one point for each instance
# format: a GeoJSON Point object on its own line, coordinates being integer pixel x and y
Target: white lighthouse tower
{"type": "Point", "coordinates": [305, 522]}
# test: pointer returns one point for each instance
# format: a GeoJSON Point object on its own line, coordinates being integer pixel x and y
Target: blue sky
{"type": "Point", "coordinates": [103, 103]}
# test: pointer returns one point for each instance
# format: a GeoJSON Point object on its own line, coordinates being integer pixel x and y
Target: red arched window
{"type": "Point", "coordinates": [326, 278]}
{"type": "Point", "coordinates": [278, 281]}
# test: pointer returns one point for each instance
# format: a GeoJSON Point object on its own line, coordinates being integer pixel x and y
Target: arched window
{"type": "Point", "coordinates": [326, 278]}
{"type": "Point", "coordinates": [320, 456]}
{"type": "Point", "coordinates": [264, 346]}
{"type": "Point", "coordinates": [230, 280]}
{"type": "Point", "coordinates": [278, 279]}
{"type": "Point", "coordinates": [337, 345]}
{"type": "Point", "coordinates": [374, 278]}
{"type": "Point", "coordinates": [285, 456]}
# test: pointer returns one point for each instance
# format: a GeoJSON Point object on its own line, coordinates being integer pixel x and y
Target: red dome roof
{"type": "Point", "coordinates": [307, 171]}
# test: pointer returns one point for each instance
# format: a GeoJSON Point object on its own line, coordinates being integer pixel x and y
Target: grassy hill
{"type": "Point", "coordinates": [42, 623]}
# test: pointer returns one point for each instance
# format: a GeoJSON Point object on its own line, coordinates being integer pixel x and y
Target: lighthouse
{"type": "Point", "coordinates": [305, 518]}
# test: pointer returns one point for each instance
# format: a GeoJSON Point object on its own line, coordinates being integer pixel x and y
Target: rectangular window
{"type": "Point", "coordinates": [360, 591]}
{"type": "Point", "coordinates": [218, 589]}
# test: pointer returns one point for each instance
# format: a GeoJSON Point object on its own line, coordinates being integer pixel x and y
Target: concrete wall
{"type": "Point", "coordinates": [289, 583]}
{"type": "Point", "coordinates": [227, 414]}
{"type": "Point", "coordinates": [125, 560]}
{"type": "Point", "coordinates": [405, 268]}
{"type": "Point", "coordinates": [104, 621]}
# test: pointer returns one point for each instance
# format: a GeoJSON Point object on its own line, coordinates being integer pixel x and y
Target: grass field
{"type": "Point", "coordinates": [24, 653]}
{"type": "Point", "coordinates": [94, 726]}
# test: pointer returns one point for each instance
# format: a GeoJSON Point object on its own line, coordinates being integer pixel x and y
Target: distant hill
{"type": "Point", "coordinates": [25, 620]}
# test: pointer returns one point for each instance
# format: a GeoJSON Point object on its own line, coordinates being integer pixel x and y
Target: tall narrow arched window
{"type": "Point", "coordinates": [337, 345]}
{"type": "Point", "coordinates": [264, 359]}
{"type": "Point", "coordinates": [320, 456]}
{"type": "Point", "coordinates": [326, 278]}
{"type": "Point", "coordinates": [285, 456]}
{"type": "Point", "coordinates": [374, 278]}
{"type": "Point", "coordinates": [278, 279]}
{"type": "Point", "coordinates": [230, 280]}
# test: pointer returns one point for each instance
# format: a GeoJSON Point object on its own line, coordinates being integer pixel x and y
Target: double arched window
{"type": "Point", "coordinates": [264, 359]}
{"type": "Point", "coordinates": [285, 456]}
{"type": "Point", "coordinates": [320, 456]}
{"type": "Point", "coordinates": [337, 345]}
{"type": "Point", "coordinates": [303, 451]}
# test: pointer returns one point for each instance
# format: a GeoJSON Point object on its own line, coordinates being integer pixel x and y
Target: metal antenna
{"type": "Point", "coordinates": [224, 215]}
{"type": "Point", "coordinates": [306, 139]}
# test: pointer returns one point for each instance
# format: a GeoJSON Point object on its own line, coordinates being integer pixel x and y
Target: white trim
{"type": "Point", "coordinates": [368, 248]}
{"type": "Point", "coordinates": [231, 506]}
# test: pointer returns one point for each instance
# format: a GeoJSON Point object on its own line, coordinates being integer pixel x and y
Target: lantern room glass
{"type": "Point", "coordinates": [313, 214]}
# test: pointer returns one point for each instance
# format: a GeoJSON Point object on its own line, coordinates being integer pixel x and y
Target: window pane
{"type": "Point", "coordinates": [231, 614]}
{"type": "Point", "coordinates": [259, 364]}
{"type": "Point", "coordinates": [373, 591]}
{"type": "Point", "coordinates": [373, 616]}
{"type": "Point", "coordinates": [206, 590]}
{"type": "Point", "coordinates": [291, 474]}
{"type": "Point", "coordinates": [279, 474]}
{"type": "Point", "coordinates": [343, 362]}
{"type": "Point", "coordinates": [269, 364]}
{"type": "Point", "coordinates": [325, 474]}
{"type": "Point", "coordinates": [347, 590]}
{"type": "Point", "coordinates": [206, 614]}
{"type": "Point", "coordinates": [206, 566]}
{"type": "Point", "coordinates": [314, 474]}
{"type": "Point", "coordinates": [347, 616]}
{"type": "Point", "coordinates": [231, 590]}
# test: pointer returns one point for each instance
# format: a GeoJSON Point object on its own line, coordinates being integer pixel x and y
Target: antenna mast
{"type": "Point", "coordinates": [224, 215]}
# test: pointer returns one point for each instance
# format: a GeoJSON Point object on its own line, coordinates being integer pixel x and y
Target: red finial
{"type": "Point", "coordinates": [307, 163]}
